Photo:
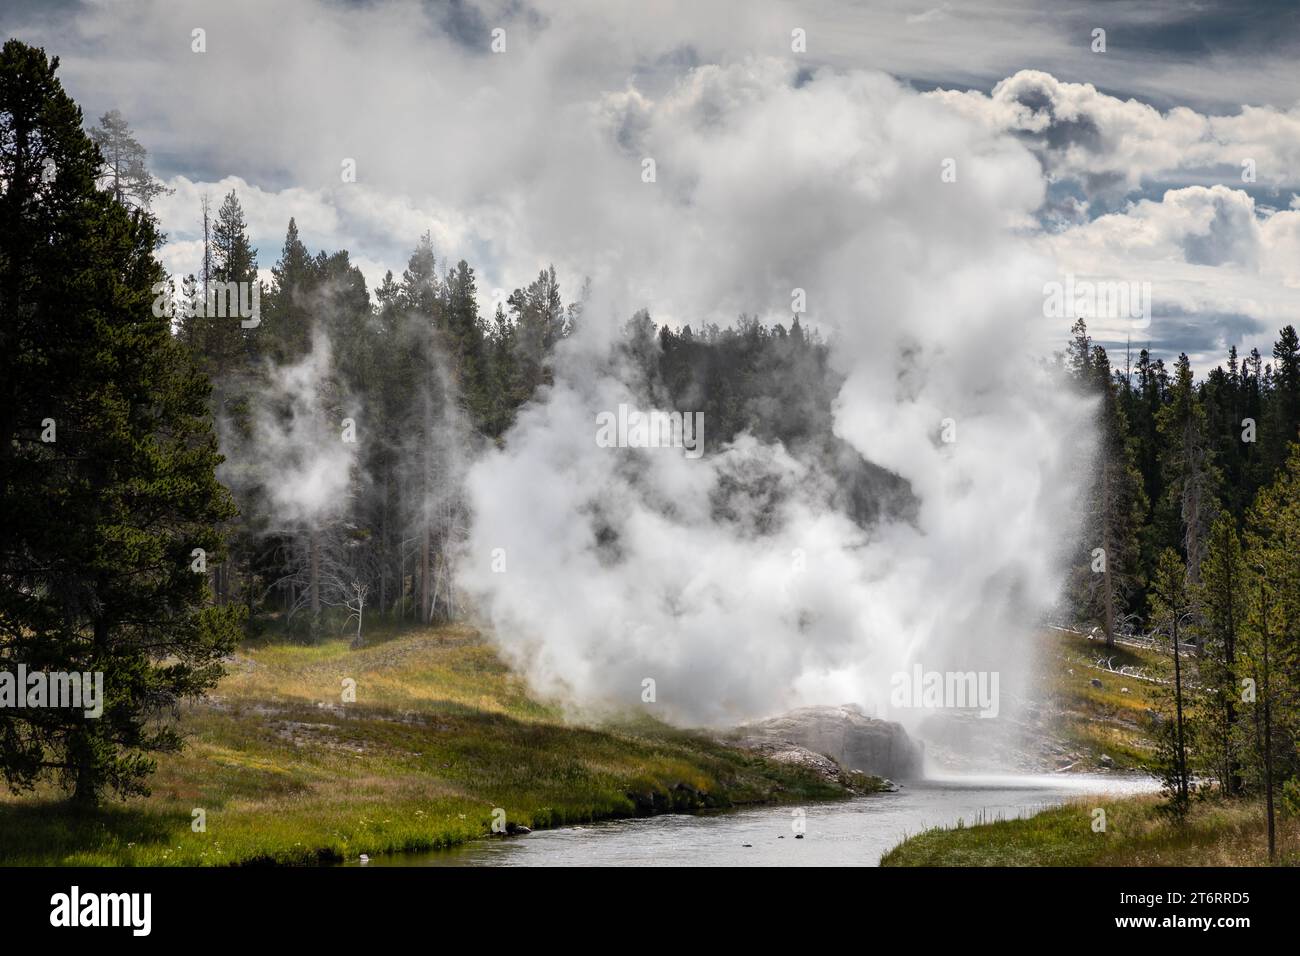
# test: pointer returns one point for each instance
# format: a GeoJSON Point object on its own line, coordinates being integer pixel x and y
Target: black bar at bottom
{"type": "Point", "coordinates": [335, 905]}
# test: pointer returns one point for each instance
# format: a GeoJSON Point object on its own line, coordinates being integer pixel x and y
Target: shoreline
{"type": "Point", "coordinates": [441, 741]}
{"type": "Point", "coordinates": [1136, 833]}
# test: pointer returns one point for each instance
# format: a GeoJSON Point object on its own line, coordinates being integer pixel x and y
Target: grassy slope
{"type": "Point", "coordinates": [1100, 720]}
{"type": "Point", "coordinates": [1105, 720]}
{"type": "Point", "coordinates": [440, 734]}
{"type": "Point", "coordinates": [1217, 833]}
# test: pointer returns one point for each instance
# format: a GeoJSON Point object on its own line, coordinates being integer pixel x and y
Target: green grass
{"type": "Point", "coordinates": [441, 733]}
{"type": "Point", "coordinates": [1216, 833]}
{"type": "Point", "coordinates": [1097, 720]}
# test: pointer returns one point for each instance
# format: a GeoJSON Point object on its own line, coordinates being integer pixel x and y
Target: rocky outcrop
{"type": "Point", "coordinates": [845, 734]}
{"type": "Point", "coordinates": [820, 765]}
{"type": "Point", "coordinates": [783, 751]}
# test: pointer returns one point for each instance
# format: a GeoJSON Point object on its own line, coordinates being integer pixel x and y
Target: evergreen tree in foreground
{"type": "Point", "coordinates": [108, 495]}
{"type": "Point", "coordinates": [1224, 592]}
{"type": "Point", "coordinates": [1270, 641]}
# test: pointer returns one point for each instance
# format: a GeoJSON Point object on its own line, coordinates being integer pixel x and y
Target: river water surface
{"type": "Point", "coordinates": [849, 833]}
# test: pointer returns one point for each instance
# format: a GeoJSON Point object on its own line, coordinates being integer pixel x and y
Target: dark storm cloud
{"type": "Point", "coordinates": [1207, 28]}
{"type": "Point", "coordinates": [1175, 330]}
{"type": "Point", "coordinates": [1212, 56]}
{"type": "Point", "coordinates": [14, 13]}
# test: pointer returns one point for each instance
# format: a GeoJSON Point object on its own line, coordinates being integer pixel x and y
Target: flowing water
{"type": "Point", "coordinates": [850, 833]}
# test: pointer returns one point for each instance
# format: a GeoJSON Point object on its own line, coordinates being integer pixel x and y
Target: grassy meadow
{"type": "Point", "coordinates": [440, 734]}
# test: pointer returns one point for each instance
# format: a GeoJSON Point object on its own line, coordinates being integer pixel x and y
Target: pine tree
{"type": "Point", "coordinates": [342, 306]}
{"type": "Point", "coordinates": [224, 347]}
{"type": "Point", "coordinates": [539, 320]}
{"type": "Point", "coordinates": [1191, 479]}
{"type": "Point", "coordinates": [1285, 418]}
{"type": "Point", "coordinates": [125, 172]}
{"type": "Point", "coordinates": [287, 315]}
{"type": "Point", "coordinates": [1271, 637]}
{"type": "Point", "coordinates": [227, 352]}
{"type": "Point", "coordinates": [504, 374]}
{"type": "Point", "coordinates": [1144, 401]}
{"type": "Point", "coordinates": [421, 298]}
{"type": "Point", "coordinates": [464, 338]}
{"type": "Point", "coordinates": [1118, 503]}
{"type": "Point", "coordinates": [108, 495]}
{"type": "Point", "coordinates": [1222, 599]}
{"type": "Point", "coordinates": [1255, 466]}
{"type": "Point", "coordinates": [235, 261]}
{"type": "Point", "coordinates": [1221, 397]}
{"type": "Point", "coordinates": [1078, 353]}
{"type": "Point", "coordinates": [421, 290]}
{"type": "Point", "coordinates": [1172, 611]}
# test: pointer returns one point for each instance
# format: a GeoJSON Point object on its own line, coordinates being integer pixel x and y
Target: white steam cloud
{"type": "Point", "coordinates": [619, 564]}
{"type": "Point", "coordinates": [293, 451]}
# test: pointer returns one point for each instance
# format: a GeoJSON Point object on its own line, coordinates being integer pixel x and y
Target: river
{"type": "Point", "coordinates": [850, 833]}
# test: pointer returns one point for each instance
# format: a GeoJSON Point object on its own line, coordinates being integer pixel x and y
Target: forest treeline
{"type": "Point", "coordinates": [1192, 533]}
{"type": "Point", "coordinates": [423, 378]}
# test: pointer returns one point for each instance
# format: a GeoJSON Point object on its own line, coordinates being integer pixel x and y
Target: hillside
{"type": "Point", "coordinates": [439, 736]}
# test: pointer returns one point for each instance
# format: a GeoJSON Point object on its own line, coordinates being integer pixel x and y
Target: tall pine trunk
{"type": "Point", "coordinates": [1108, 586]}
{"type": "Point", "coordinates": [314, 547]}
{"type": "Point", "coordinates": [1232, 778]}
{"type": "Point", "coordinates": [1178, 707]}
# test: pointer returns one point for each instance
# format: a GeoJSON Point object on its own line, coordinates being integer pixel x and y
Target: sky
{"type": "Point", "coordinates": [533, 154]}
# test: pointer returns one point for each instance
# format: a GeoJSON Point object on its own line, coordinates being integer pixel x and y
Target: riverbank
{"type": "Point", "coordinates": [1137, 833]}
{"type": "Point", "coordinates": [839, 833]}
{"type": "Point", "coordinates": [1080, 713]}
{"type": "Point", "coordinates": [278, 768]}
{"type": "Point", "coordinates": [1091, 715]}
